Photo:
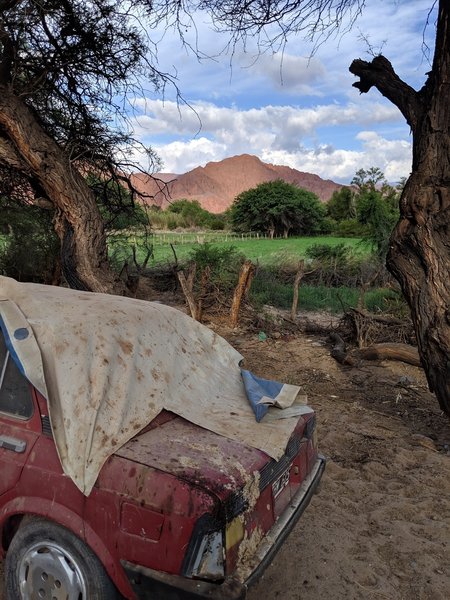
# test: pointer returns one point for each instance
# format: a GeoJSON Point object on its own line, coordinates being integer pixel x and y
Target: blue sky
{"type": "Point", "coordinates": [288, 108]}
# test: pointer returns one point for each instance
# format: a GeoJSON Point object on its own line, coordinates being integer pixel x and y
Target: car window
{"type": "Point", "coordinates": [15, 393]}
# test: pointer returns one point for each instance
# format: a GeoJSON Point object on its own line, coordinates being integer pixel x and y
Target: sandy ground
{"type": "Point", "coordinates": [380, 526]}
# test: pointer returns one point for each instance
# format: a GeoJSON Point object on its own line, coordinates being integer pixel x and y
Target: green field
{"type": "Point", "coordinates": [264, 251]}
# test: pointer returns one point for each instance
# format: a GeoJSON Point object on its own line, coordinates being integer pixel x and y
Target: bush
{"type": "Point", "coordinates": [217, 225]}
{"type": "Point", "coordinates": [191, 213]}
{"type": "Point", "coordinates": [224, 264]}
{"type": "Point", "coordinates": [350, 228]}
{"type": "Point", "coordinates": [340, 253]}
{"type": "Point", "coordinates": [171, 224]}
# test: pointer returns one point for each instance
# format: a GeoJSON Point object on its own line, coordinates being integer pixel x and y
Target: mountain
{"type": "Point", "coordinates": [217, 184]}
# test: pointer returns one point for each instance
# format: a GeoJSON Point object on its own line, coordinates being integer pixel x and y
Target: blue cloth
{"type": "Point", "coordinates": [256, 388]}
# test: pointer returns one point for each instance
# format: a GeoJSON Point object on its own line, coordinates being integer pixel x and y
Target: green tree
{"type": "Point", "coordinates": [341, 205]}
{"type": "Point", "coordinates": [369, 179]}
{"type": "Point", "coordinates": [376, 212]}
{"type": "Point", "coordinates": [376, 206]}
{"type": "Point", "coordinates": [192, 214]}
{"type": "Point", "coordinates": [277, 208]}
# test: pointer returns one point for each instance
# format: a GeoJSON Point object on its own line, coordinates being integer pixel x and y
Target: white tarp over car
{"type": "Point", "coordinates": [108, 365]}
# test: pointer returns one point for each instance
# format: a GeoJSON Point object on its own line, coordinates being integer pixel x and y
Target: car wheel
{"type": "Point", "coordinates": [47, 561]}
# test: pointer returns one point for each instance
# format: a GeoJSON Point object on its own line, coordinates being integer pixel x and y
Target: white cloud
{"type": "Point", "coordinates": [170, 118]}
{"type": "Point", "coordinates": [393, 157]}
{"type": "Point", "coordinates": [179, 157]}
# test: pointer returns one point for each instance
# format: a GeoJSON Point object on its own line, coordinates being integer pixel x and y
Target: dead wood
{"type": "Point", "coordinates": [389, 351]}
{"type": "Point", "coordinates": [187, 285]}
{"type": "Point", "coordinates": [366, 329]}
{"type": "Point", "coordinates": [297, 280]}
{"type": "Point", "coordinates": [392, 351]}
{"type": "Point", "coordinates": [339, 350]}
{"type": "Point", "coordinates": [242, 289]}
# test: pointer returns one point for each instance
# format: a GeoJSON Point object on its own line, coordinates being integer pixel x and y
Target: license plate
{"type": "Point", "coordinates": [282, 481]}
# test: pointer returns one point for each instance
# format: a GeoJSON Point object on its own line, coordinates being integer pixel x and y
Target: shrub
{"type": "Point", "coordinates": [224, 264]}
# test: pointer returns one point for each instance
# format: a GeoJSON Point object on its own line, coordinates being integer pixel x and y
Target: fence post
{"type": "Point", "coordinates": [242, 288]}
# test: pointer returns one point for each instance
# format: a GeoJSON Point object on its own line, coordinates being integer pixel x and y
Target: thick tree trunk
{"type": "Point", "coordinates": [81, 226]}
{"type": "Point", "coordinates": [419, 254]}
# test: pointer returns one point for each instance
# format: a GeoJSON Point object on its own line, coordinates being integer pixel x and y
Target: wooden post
{"type": "Point", "coordinates": [187, 285]}
{"type": "Point", "coordinates": [206, 274]}
{"type": "Point", "coordinates": [298, 278]}
{"type": "Point", "coordinates": [242, 288]}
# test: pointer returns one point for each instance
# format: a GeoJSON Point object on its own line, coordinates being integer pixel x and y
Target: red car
{"type": "Point", "coordinates": [170, 515]}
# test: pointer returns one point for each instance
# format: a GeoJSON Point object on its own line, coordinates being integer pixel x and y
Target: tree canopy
{"type": "Point", "coordinates": [341, 205]}
{"type": "Point", "coordinates": [372, 203]}
{"type": "Point", "coordinates": [278, 208]}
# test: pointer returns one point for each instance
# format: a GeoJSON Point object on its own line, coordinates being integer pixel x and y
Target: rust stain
{"type": "Point", "coordinates": [126, 347]}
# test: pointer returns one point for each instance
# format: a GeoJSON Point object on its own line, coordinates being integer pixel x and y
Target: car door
{"type": "Point", "coordinates": [19, 419]}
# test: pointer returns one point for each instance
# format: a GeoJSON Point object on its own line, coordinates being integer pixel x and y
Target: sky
{"type": "Point", "coordinates": [288, 108]}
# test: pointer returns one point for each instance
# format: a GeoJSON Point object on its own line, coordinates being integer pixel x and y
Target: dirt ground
{"type": "Point", "coordinates": [380, 526]}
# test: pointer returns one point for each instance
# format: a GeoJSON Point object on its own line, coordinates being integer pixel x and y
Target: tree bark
{"type": "Point", "coordinates": [85, 261]}
{"type": "Point", "coordinates": [419, 253]}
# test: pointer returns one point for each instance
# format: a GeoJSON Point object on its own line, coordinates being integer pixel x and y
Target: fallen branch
{"type": "Point", "coordinates": [402, 352]}
{"type": "Point", "coordinates": [339, 350]}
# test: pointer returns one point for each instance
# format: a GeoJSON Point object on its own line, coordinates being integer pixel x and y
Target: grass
{"type": "Point", "coordinates": [264, 251]}
{"type": "Point", "coordinates": [319, 298]}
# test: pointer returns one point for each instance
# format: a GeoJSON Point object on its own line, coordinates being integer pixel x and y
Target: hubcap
{"type": "Point", "coordinates": [48, 571]}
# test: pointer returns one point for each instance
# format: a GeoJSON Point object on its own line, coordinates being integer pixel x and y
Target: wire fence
{"type": "Point", "coordinates": [161, 238]}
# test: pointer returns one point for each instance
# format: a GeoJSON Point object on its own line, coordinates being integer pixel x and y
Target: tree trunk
{"type": "Point", "coordinates": [81, 228]}
{"type": "Point", "coordinates": [419, 253]}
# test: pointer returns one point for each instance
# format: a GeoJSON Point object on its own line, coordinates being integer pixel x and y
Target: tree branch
{"type": "Point", "coordinates": [380, 74]}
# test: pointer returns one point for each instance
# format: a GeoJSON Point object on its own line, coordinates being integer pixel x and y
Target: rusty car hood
{"type": "Point", "coordinates": [196, 455]}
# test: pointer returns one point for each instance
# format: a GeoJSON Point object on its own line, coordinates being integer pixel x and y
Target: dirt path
{"type": "Point", "coordinates": [380, 527]}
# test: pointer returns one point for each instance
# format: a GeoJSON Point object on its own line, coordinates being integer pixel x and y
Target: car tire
{"type": "Point", "coordinates": [46, 560]}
